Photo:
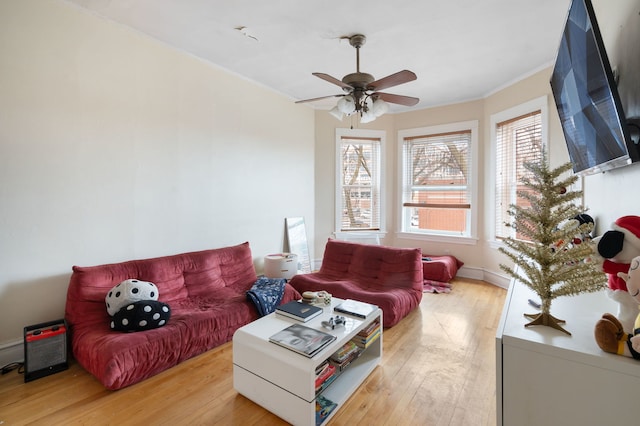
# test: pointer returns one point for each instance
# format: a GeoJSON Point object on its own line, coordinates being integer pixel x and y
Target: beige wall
{"type": "Point", "coordinates": [115, 147]}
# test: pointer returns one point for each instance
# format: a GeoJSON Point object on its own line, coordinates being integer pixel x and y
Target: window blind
{"type": "Point", "coordinates": [436, 194]}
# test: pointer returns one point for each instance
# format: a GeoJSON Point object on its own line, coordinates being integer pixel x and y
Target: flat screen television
{"type": "Point", "coordinates": [596, 129]}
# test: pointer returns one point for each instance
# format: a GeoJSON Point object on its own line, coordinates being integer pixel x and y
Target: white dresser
{"type": "Point", "coordinates": [545, 377]}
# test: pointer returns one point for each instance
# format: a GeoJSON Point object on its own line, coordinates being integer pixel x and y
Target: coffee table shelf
{"type": "Point", "coordinates": [283, 381]}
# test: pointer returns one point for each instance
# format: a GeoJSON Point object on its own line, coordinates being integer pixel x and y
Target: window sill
{"type": "Point", "coordinates": [438, 238]}
{"type": "Point", "coordinates": [370, 232]}
{"type": "Point", "coordinates": [367, 237]}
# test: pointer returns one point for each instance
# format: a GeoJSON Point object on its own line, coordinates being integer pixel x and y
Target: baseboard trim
{"type": "Point", "coordinates": [497, 279]}
{"type": "Point", "coordinates": [484, 275]}
{"type": "Point", "coordinates": [11, 352]}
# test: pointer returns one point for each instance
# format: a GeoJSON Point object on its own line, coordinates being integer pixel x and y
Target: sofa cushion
{"type": "Point", "coordinates": [375, 266]}
{"type": "Point", "coordinates": [120, 359]}
{"type": "Point", "coordinates": [395, 303]}
{"type": "Point", "coordinates": [440, 268]}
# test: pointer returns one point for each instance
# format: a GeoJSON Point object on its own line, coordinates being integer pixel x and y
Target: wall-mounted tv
{"type": "Point", "coordinates": [596, 130]}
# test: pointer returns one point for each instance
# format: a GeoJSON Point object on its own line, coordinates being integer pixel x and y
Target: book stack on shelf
{"type": "Point", "coordinates": [325, 374]}
{"type": "Point", "coordinates": [368, 335]}
{"type": "Point", "coordinates": [345, 355]}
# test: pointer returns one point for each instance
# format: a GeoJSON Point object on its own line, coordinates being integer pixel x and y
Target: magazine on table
{"type": "Point", "coordinates": [302, 339]}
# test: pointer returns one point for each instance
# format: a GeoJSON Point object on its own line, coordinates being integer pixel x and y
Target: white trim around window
{"type": "Point", "coordinates": [380, 136]}
{"type": "Point", "coordinates": [537, 104]}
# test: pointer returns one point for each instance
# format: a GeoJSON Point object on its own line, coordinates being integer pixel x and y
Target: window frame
{"type": "Point", "coordinates": [379, 135]}
{"type": "Point", "coordinates": [537, 104]}
{"type": "Point", "coordinates": [472, 186]}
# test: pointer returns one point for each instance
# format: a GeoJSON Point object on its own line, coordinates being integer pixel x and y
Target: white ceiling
{"type": "Point", "coordinates": [460, 49]}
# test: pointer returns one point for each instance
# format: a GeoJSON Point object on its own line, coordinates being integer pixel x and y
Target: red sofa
{"type": "Point", "coordinates": [205, 290]}
{"type": "Point", "coordinates": [389, 277]}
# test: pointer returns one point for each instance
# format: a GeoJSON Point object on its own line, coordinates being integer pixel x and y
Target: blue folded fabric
{"type": "Point", "coordinates": [266, 294]}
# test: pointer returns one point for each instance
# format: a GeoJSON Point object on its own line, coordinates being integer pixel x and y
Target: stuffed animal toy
{"type": "Point", "coordinates": [579, 237]}
{"type": "Point", "coordinates": [582, 237]}
{"type": "Point", "coordinates": [134, 306]}
{"type": "Point", "coordinates": [614, 251]}
{"type": "Point", "coordinates": [617, 247]}
{"type": "Point", "coordinates": [610, 334]}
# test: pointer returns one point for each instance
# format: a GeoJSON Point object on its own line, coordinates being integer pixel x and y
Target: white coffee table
{"type": "Point", "coordinates": [283, 381]}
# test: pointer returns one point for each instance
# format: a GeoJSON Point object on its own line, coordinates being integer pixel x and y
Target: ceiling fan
{"type": "Point", "coordinates": [362, 93]}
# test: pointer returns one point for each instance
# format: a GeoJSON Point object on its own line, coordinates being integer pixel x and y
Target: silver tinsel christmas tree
{"type": "Point", "coordinates": [552, 264]}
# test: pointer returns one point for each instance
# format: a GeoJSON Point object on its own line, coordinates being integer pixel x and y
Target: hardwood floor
{"type": "Point", "coordinates": [438, 368]}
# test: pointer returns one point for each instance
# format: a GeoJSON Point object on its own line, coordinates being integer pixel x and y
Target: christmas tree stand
{"type": "Point", "coordinates": [547, 320]}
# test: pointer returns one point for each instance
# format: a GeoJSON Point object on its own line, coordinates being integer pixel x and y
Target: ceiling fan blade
{"type": "Point", "coordinates": [400, 77]}
{"type": "Point", "coordinates": [327, 77]}
{"type": "Point", "coordinates": [397, 99]}
{"type": "Point", "coordinates": [318, 99]}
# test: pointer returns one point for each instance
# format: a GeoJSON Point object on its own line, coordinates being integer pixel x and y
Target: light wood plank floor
{"type": "Point", "coordinates": [438, 368]}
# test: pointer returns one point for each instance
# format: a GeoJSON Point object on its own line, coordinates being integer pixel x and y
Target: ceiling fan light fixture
{"type": "Point", "coordinates": [347, 105]}
{"type": "Point", "coordinates": [367, 117]}
{"type": "Point", "coordinates": [379, 107]}
{"type": "Point", "coordinates": [336, 112]}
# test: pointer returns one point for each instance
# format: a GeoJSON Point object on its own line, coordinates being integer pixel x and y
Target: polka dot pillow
{"type": "Point", "coordinates": [129, 291]}
{"type": "Point", "coordinates": [140, 316]}
{"type": "Point", "coordinates": [134, 306]}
